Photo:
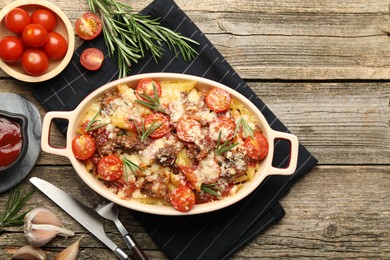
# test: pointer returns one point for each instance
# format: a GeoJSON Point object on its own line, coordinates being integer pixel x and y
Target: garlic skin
{"type": "Point", "coordinates": [69, 253]}
{"type": "Point", "coordinates": [29, 252]}
{"type": "Point", "coordinates": [41, 226]}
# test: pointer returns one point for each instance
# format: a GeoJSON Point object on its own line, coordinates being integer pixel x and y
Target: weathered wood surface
{"type": "Point", "coordinates": [323, 69]}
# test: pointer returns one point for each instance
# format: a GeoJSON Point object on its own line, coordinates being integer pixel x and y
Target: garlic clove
{"type": "Point", "coordinates": [69, 253]}
{"type": "Point", "coordinates": [41, 226]}
{"type": "Point", "coordinates": [29, 252]}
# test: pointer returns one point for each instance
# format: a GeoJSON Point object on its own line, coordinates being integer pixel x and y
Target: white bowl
{"type": "Point", "coordinates": [64, 27]}
{"type": "Point", "coordinates": [74, 116]}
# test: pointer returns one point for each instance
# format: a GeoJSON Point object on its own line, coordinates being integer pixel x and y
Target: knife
{"type": "Point", "coordinates": [87, 217]}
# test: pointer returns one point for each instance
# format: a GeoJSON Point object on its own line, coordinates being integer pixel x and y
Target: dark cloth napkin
{"type": "Point", "coordinates": [215, 235]}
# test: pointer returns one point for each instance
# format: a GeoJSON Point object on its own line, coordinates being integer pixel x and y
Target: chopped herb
{"type": "Point", "coordinates": [14, 204]}
{"type": "Point", "coordinates": [132, 166]}
{"type": "Point", "coordinates": [241, 122]}
{"type": "Point", "coordinates": [91, 126]}
{"type": "Point", "coordinates": [145, 132]}
{"type": "Point", "coordinates": [151, 102]}
{"type": "Point", "coordinates": [210, 189]}
{"type": "Point", "coordinates": [223, 148]}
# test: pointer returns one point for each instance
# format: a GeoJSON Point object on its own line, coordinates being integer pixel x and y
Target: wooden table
{"type": "Point", "coordinates": [323, 67]}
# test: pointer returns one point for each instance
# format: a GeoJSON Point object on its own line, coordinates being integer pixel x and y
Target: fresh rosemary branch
{"type": "Point", "coordinates": [145, 132]}
{"type": "Point", "coordinates": [241, 122]}
{"type": "Point", "coordinates": [132, 34]}
{"type": "Point", "coordinates": [91, 126]}
{"type": "Point", "coordinates": [14, 204]}
{"type": "Point", "coordinates": [223, 148]}
{"type": "Point", "coordinates": [151, 102]}
{"type": "Point", "coordinates": [210, 189]}
{"type": "Point", "coordinates": [132, 166]}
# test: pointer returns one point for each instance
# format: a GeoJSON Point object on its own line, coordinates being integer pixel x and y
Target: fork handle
{"type": "Point", "coordinates": [137, 251]}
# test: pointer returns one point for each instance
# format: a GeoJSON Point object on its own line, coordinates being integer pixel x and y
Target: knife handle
{"type": "Point", "coordinates": [122, 255]}
{"type": "Point", "coordinates": [138, 253]}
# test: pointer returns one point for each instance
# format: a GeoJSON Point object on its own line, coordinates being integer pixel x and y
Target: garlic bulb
{"type": "Point", "coordinates": [41, 226]}
{"type": "Point", "coordinates": [69, 253]}
{"type": "Point", "coordinates": [29, 253]}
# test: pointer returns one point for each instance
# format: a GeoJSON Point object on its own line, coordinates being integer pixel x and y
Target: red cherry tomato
{"type": "Point", "coordinates": [88, 26]}
{"type": "Point", "coordinates": [188, 130]}
{"type": "Point", "coordinates": [35, 62]}
{"type": "Point", "coordinates": [34, 35]}
{"type": "Point", "coordinates": [55, 46]}
{"type": "Point", "coordinates": [16, 19]}
{"type": "Point", "coordinates": [83, 147]}
{"type": "Point", "coordinates": [92, 59]}
{"type": "Point", "coordinates": [11, 48]}
{"type": "Point", "coordinates": [44, 17]}
{"type": "Point", "coordinates": [157, 118]}
{"type": "Point", "coordinates": [223, 125]}
{"type": "Point", "coordinates": [182, 198]}
{"type": "Point", "coordinates": [145, 87]}
{"type": "Point", "coordinates": [256, 147]}
{"type": "Point", "coordinates": [110, 168]}
{"type": "Point", "coordinates": [218, 100]}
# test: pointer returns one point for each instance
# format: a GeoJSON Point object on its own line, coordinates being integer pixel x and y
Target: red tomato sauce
{"type": "Point", "coordinates": [10, 141]}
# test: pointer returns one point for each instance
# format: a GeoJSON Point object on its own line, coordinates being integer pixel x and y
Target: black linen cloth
{"type": "Point", "coordinates": [215, 235]}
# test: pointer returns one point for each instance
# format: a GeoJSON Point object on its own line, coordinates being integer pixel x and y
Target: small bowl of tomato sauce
{"type": "Point", "coordinates": [13, 139]}
{"type": "Point", "coordinates": [37, 40]}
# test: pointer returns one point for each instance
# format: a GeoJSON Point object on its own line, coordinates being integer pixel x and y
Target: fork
{"type": "Point", "coordinates": [110, 211]}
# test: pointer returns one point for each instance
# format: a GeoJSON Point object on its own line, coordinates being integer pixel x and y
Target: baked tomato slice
{"type": "Point", "coordinates": [223, 125]}
{"type": "Point", "coordinates": [83, 147]}
{"type": "Point", "coordinates": [218, 100]}
{"type": "Point", "coordinates": [110, 168]}
{"type": "Point", "coordinates": [88, 26]}
{"type": "Point", "coordinates": [257, 146]}
{"type": "Point", "coordinates": [188, 130]}
{"type": "Point", "coordinates": [182, 198]}
{"type": "Point", "coordinates": [148, 87]}
{"type": "Point", "coordinates": [156, 119]}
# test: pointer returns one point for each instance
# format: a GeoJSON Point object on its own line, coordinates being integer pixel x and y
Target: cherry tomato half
{"type": "Point", "coordinates": [145, 87]}
{"type": "Point", "coordinates": [223, 125]}
{"type": "Point", "coordinates": [188, 130]}
{"type": "Point", "coordinates": [55, 46]}
{"type": "Point", "coordinates": [88, 26]}
{"type": "Point", "coordinates": [110, 168]}
{"type": "Point", "coordinates": [182, 198]}
{"type": "Point", "coordinates": [157, 118]}
{"type": "Point", "coordinates": [44, 17]}
{"type": "Point", "coordinates": [83, 147]}
{"type": "Point", "coordinates": [11, 48]}
{"type": "Point", "coordinates": [92, 58]}
{"type": "Point", "coordinates": [35, 62]}
{"type": "Point", "coordinates": [218, 100]}
{"type": "Point", "coordinates": [16, 19]}
{"type": "Point", "coordinates": [256, 147]}
{"type": "Point", "coordinates": [34, 35]}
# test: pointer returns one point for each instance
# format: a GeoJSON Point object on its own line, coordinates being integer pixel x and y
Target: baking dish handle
{"type": "Point", "coordinates": [293, 158]}
{"type": "Point", "coordinates": [46, 126]}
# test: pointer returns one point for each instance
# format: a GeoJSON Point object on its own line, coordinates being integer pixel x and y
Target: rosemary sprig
{"type": "Point", "coordinates": [145, 132]}
{"type": "Point", "coordinates": [14, 204]}
{"type": "Point", "coordinates": [131, 34]}
{"type": "Point", "coordinates": [241, 122]}
{"type": "Point", "coordinates": [91, 126]}
{"type": "Point", "coordinates": [223, 148]}
{"type": "Point", "coordinates": [132, 166]}
{"type": "Point", "coordinates": [152, 102]}
{"type": "Point", "coordinates": [210, 189]}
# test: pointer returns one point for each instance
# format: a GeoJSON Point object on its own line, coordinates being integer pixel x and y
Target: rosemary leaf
{"type": "Point", "coordinates": [223, 148]}
{"type": "Point", "coordinates": [132, 166]}
{"type": "Point", "coordinates": [131, 35]}
{"type": "Point", "coordinates": [246, 128]}
{"type": "Point", "coordinates": [14, 204]}
{"type": "Point", "coordinates": [91, 126]}
{"type": "Point", "coordinates": [210, 189]}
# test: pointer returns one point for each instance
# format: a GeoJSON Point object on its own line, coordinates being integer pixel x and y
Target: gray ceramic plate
{"type": "Point", "coordinates": [17, 104]}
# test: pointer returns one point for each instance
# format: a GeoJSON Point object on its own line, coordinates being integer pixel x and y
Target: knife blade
{"type": "Point", "coordinates": [84, 215]}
